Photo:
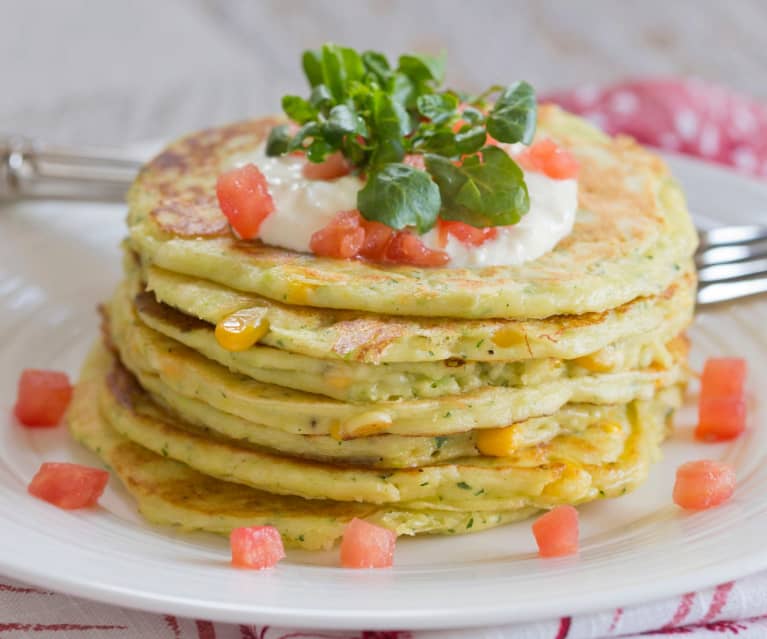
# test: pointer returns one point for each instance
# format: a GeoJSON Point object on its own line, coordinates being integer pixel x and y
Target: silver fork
{"type": "Point", "coordinates": [732, 263]}
{"type": "Point", "coordinates": [732, 260]}
{"type": "Point", "coordinates": [30, 170]}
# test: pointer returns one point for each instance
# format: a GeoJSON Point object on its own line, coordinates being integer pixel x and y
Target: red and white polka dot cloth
{"type": "Point", "coordinates": [687, 116]}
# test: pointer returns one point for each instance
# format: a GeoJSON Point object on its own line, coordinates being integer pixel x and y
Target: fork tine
{"type": "Point", "coordinates": [731, 253]}
{"type": "Point", "coordinates": [736, 270]}
{"type": "Point", "coordinates": [717, 292]}
{"type": "Point", "coordinates": [726, 235]}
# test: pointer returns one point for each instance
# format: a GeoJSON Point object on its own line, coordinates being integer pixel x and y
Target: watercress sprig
{"type": "Point", "coordinates": [377, 114]}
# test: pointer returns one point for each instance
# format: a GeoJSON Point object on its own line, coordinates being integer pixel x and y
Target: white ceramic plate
{"type": "Point", "coordinates": [57, 261]}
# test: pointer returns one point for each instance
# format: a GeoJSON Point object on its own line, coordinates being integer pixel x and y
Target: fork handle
{"type": "Point", "coordinates": [30, 170]}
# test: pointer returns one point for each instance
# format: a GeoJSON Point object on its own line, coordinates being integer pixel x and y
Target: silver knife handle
{"type": "Point", "coordinates": [30, 170]}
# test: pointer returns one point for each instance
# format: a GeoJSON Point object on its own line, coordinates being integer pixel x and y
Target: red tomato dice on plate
{"type": "Point", "coordinates": [724, 377]}
{"type": "Point", "coordinates": [365, 545]}
{"type": "Point", "coordinates": [722, 404]}
{"type": "Point", "coordinates": [720, 419]}
{"type": "Point", "coordinates": [68, 486]}
{"type": "Point", "coordinates": [333, 166]}
{"type": "Point", "coordinates": [556, 532]}
{"type": "Point", "coordinates": [43, 397]}
{"type": "Point", "coordinates": [703, 484]}
{"type": "Point", "coordinates": [343, 237]}
{"type": "Point", "coordinates": [243, 195]}
{"type": "Point", "coordinates": [256, 547]}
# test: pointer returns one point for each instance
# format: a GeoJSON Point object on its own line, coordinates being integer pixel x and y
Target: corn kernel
{"type": "Point", "coordinates": [366, 424]}
{"type": "Point", "coordinates": [240, 330]}
{"type": "Point", "coordinates": [612, 427]}
{"type": "Point", "coordinates": [298, 292]}
{"type": "Point", "coordinates": [594, 363]}
{"type": "Point", "coordinates": [507, 336]}
{"type": "Point", "coordinates": [497, 442]}
{"type": "Point", "coordinates": [572, 483]}
{"type": "Point", "coordinates": [335, 431]}
{"type": "Point", "coordinates": [338, 381]}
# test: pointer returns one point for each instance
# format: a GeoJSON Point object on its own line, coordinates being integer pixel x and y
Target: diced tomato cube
{"type": "Point", "coordinates": [458, 124]}
{"type": "Point", "coordinates": [243, 195]}
{"type": "Point", "coordinates": [43, 397]}
{"type": "Point", "coordinates": [724, 377]}
{"type": "Point", "coordinates": [556, 532]}
{"type": "Point", "coordinates": [406, 248]}
{"type": "Point", "coordinates": [415, 160]}
{"type": "Point", "coordinates": [722, 404]}
{"type": "Point", "coordinates": [343, 237]}
{"type": "Point", "coordinates": [333, 166]}
{"type": "Point", "coordinates": [703, 484]}
{"type": "Point", "coordinates": [256, 547]}
{"type": "Point", "coordinates": [377, 239]}
{"type": "Point", "coordinates": [561, 165]}
{"type": "Point", "coordinates": [547, 158]}
{"type": "Point", "coordinates": [465, 233]}
{"type": "Point", "coordinates": [365, 545]}
{"type": "Point", "coordinates": [68, 486]}
{"type": "Point", "coordinates": [720, 418]}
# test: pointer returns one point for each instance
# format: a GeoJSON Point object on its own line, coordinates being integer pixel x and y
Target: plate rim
{"type": "Point", "coordinates": [422, 619]}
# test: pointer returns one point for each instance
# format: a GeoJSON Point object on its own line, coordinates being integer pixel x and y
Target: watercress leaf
{"type": "Point", "coordinates": [438, 107]}
{"type": "Point", "coordinates": [440, 141]}
{"type": "Point", "coordinates": [320, 97]}
{"type": "Point", "coordinates": [401, 88]}
{"type": "Point", "coordinates": [353, 64]}
{"type": "Point", "coordinates": [298, 109]}
{"type": "Point", "coordinates": [472, 115]}
{"type": "Point", "coordinates": [355, 151]}
{"type": "Point", "coordinates": [386, 151]}
{"type": "Point", "coordinates": [448, 177]}
{"type": "Point", "coordinates": [311, 61]}
{"type": "Point", "coordinates": [341, 66]}
{"type": "Point", "coordinates": [423, 69]}
{"type": "Point", "coordinates": [513, 117]}
{"type": "Point", "coordinates": [308, 130]}
{"type": "Point", "coordinates": [361, 96]}
{"type": "Point", "coordinates": [376, 64]}
{"type": "Point", "coordinates": [278, 140]}
{"type": "Point", "coordinates": [318, 150]}
{"type": "Point", "coordinates": [470, 139]}
{"type": "Point", "coordinates": [481, 99]}
{"type": "Point", "coordinates": [486, 190]}
{"type": "Point", "coordinates": [334, 71]}
{"type": "Point", "coordinates": [341, 121]}
{"type": "Point", "coordinates": [399, 195]}
{"type": "Point", "coordinates": [362, 127]}
{"type": "Point", "coordinates": [390, 117]}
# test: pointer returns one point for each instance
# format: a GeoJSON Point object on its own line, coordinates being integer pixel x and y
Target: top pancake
{"type": "Point", "coordinates": [631, 236]}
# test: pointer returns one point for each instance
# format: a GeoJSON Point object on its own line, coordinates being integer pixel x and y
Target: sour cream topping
{"type": "Point", "coordinates": [303, 207]}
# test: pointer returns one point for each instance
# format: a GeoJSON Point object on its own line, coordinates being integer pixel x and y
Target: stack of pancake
{"type": "Point", "coordinates": [423, 400]}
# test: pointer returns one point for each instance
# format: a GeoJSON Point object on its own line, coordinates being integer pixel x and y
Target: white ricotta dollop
{"type": "Point", "coordinates": [303, 207]}
{"type": "Point", "coordinates": [553, 204]}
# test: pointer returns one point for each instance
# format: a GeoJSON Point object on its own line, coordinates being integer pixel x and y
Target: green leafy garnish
{"type": "Point", "coordinates": [486, 190]}
{"type": "Point", "coordinates": [381, 116]}
{"type": "Point", "coordinates": [514, 113]}
{"type": "Point", "coordinates": [399, 195]}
